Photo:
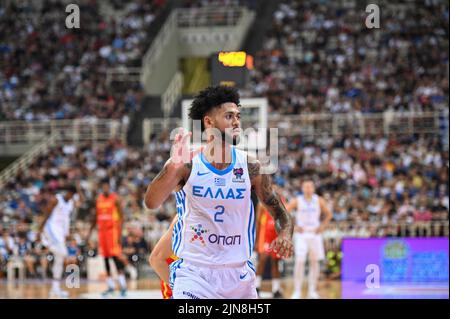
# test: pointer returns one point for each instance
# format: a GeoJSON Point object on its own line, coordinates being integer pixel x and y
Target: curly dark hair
{"type": "Point", "coordinates": [210, 98]}
{"type": "Point", "coordinates": [70, 188]}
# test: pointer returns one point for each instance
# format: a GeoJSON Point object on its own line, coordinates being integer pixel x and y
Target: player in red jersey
{"type": "Point", "coordinates": [109, 220]}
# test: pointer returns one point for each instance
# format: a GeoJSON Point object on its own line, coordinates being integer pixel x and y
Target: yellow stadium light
{"type": "Point", "coordinates": [227, 83]}
{"type": "Point", "coordinates": [233, 59]}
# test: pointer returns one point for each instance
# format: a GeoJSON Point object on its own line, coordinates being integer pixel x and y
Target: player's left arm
{"type": "Point", "coordinates": [81, 197]}
{"type": "Point", "coordinates": [262, 183]}
{"type": "Point", "coordinates": [121, 218]}
{"type": "Point", "coordinates": [120, 210]}
{"type": "Point", "coordinates": [324, 209]}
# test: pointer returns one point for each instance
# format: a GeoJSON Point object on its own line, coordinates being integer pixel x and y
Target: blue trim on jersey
{"type": "Point", "coordinates": [254, 228]}
{"type": "Point", "coordinates": [175, 236]}
{"type": "Point", "coordinates": [252, 267]}
{"type": "Point", "coordinates": [184, 199]}
{"type": "Point", "coordinates": [217, 171]}
{"type": "Point", "coordinates": [177, 233]}
{"type": "Point", "coordinates": [251, 230]}
{"type": "Point", "coordinates": [183, 202]}
{"type": "Point", "coordinates": [173, 271]}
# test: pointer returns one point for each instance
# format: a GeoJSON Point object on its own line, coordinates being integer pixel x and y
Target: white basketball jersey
{"type": "Point", "coordinates": [216, 219]}
{"type": "Point", "coordinates": [308, 213]}
{"type": "Point", "coordinates": [59, 220]}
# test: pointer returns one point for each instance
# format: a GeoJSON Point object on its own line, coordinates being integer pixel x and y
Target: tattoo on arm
{"type": "Point", "coordinates": [273, 203]}
{"type": "Point", "coordinates": [253, 169]}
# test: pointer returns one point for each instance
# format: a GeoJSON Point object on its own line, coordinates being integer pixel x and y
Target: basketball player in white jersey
{"type": "Point", "coordinates": [215, 231]}
{"type": "Point", "coordinates": [307, 237]}
{"type": "Point", "coordinates": [55, 228]}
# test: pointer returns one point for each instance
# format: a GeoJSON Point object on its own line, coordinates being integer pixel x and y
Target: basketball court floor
{"type": "Point", "coordinates": [149, 289]}
{"type": "Point", "coordinates": [138, 289]}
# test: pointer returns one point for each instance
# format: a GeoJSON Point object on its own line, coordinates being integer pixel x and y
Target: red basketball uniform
{"type": "Point", "coordinates": [109, 227]}
{"type": "Point", "coordinates": [165, 288]}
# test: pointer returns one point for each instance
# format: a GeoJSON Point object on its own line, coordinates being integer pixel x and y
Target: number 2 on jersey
{"type": "Point", "coordinates": [220, 212]}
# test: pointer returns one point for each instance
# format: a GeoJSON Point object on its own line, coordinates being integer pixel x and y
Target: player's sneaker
{"type": "Point", "coordinates": [108, 292]}
{"type": "Point", "coordinates": [296, 295]}
{"type": "Point", "coordinates": [277, 295]}
{"type": "Point", "coordinates": [123, 292]}
{"type": "Point", "coordinates": [313, 295]}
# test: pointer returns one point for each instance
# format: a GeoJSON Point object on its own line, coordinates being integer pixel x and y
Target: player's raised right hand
{"type": "Point", "coordinates": [173, 172]}
{"type": "Point", "coordinates": [181, 153]}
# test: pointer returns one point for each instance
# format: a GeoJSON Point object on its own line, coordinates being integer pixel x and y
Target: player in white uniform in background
{"type": "Point", "coordinates": [54, 230]}
{"type": "Point", "coordinates": [308, 237]}
{"type": "Point", "coordinates": [215, 231]}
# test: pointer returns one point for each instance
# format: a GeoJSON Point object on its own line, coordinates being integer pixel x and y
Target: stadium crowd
{"type": "Point", "coordinates": [319, 57]}
{"type": "Point", "coordinates": [316, 58]}
{"type": "Point", "coordinates": [52, 72]}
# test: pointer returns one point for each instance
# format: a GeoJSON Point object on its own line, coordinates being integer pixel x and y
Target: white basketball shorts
{"type": "Point", "coordinates": [55, 240]}
{"type": "Point", "coordinates": [189, 281]}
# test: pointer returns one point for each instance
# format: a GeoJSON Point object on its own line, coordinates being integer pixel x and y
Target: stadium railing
{"type": "Point", "coordinates": [26, 159]}
{"type": "Point", "coordinates": [123, 74]}
{"type": "Point", "coordinates": [153, 125]}
{"type": "Point", "coordinates": [74, 130]}
{"type": "Point", "coordinates": [357, 123]}
{"type": "Point", "coordinates": [319, 124]}
{"type": "Point", "coordinates": [209, 16]}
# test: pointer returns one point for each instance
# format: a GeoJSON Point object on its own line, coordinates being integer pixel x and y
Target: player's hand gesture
{"type": "Point", "coordinates": [181, 152]}
{"type": "Point", "coordinates": [282, 246]}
